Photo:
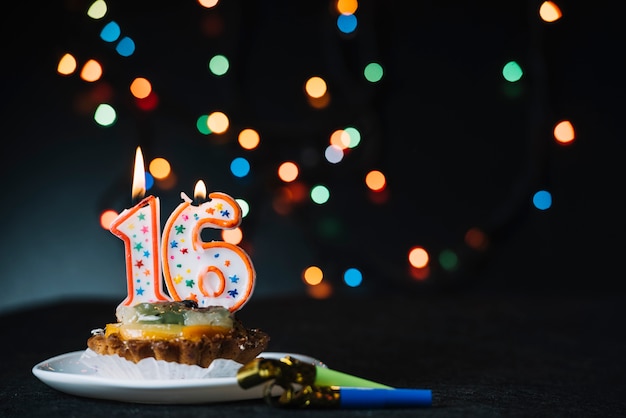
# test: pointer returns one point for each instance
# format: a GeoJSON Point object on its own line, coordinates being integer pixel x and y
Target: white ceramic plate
{"type": "Point", "coordinates": [67, 374]}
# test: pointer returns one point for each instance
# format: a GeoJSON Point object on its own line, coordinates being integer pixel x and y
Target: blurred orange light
{"type": "Point", "coordinates": [232, 236]}
{"type": "Point", "coordinates": [319, 102]}
{"type": "Point", "coordinates": [340, 138]}
{"type": "Point", "coordinates": [418, 257]}
{"type": "Point", "coordinates": [107, 217]}
{"type": "Point", "coordinates": [160, 168]}
{"type": "Point", "coordinates": [208, 3]}
{"type": "Point", "coordinates": [218, 122]}
{"type": "Point", "coordinates": [549, 11]}
{"type": "Point", "coordinates": [140, 88]}
{"type": "Point", "coordinates": [313, 275]}
{"type": "Point", "coordinates": [249, 138]}
{"type": "Point", "coordinates": [67, 64]}
{"type": "Point", "coordinates": [288, 171]}
{"type": "Point", "coordinates": [315, 87]}
{"type": "Point", "coordinates": [564, 132]}
{"type": "Point", "coordinates": [375, 180]}
{"type": "Point", "coordinates": [347, 7]}
{"type": "Point", "coordinates": [92, 71]}
{"type": "Point", "coordinates": [321, 291]}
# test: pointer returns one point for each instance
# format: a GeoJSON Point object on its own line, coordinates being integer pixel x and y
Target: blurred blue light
{"type": "Point", "coordinates": [346, 23]}
{"type": "Point", "coordinates": [149, 181]}
{"type": "Point", "coordinates": [240, 167]}
{"type": "Point", "coordinates": [353, 277]}
{"type": "Point", "coordinates": [125, 47]}
{"type": "Point", "coordinates": [542, 200]}
{"type": "Point", "coordinates": [110, 32]}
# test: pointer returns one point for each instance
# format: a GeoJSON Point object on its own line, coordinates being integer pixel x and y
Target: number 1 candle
{"type": "Point", "coordinates": [211, 273]}
{"type": "Point", "coordinates": [139, 227]}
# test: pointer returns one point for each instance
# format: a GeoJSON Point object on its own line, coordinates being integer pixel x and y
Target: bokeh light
{"type": "Point", "coordinates": [67, 64]}
{"type": "Point", "coordinates": [218, 122]}
{"type": "Point", "coordinates": [97, 10]}
{"type": "Point", "coordinates": [418, 257]}
{"type": "Point", "coordinates": [373, 72]}
{"type": "Point", "coordinates": [106, 217]}
{"type": "Point", "coordinates": [249, 138]}
{"type": "Point", "coordinates": [125, 47]}
{"type": "Point", "coordinates": [347, 23]}
{"type": "Point", "coordinates": [419, 274]}
{"type": "Point", "coordinates": [315, 87]}
{"type": "Point", "coordinates": [321, 291]}
{"type": "Point", "coordinates": [202, 124]}
{"type": "Point", "coordinates": [333, 154]}
{"type": "Point", "coordinates": [208, 3]}
{"type": "Point", "coordinates": [355, 136]}
{"type": "Point", "coordinates": [549, 11]}
{"type": "Point", "coordinates": [542, 200]}
{"type": "Point", "coordinates": [288, 171]}
{"type": "Point", "coordinates": [564, 132]}
{"type": "Point", "coordinates": [245, 207]}
{"type": "Point", "coordinates": [148, 103]}
{"type": "Point", "coordinates": [219, 65]}
{"type": "Point", "coordinates": [375, 180]}
{"type": "Point", "coordinates": [319, 102]}
{"type": "Point", "coordinates": [312, 275]}
{"type": "Point", "coordinates": [347, 7]}
{"type": "Point", "coordinates": [320, 194]}
{"type": "Point", "coordinates": [340, 138]}
{"type": "Point", "coordinates": [353, 277]}
{"type": "Point", "coordinates": [140, 88]}
{"type": "Point", "coordinates": [110, 32]}
{"type": "Point", "coordinates": [91, 71]}
{"type": "Point", "coordinates": [240, 167]}
{"type": "Point", "coordinates": [512, 72]}
{"type": "Point", "coordinates": [105, 115]}
{"type": "Point", "coordinates": [232, 236]}
{"type": "Point", "coordinates": [160, 168]}
{"type": "Point", "coordinates": [150, 180]}
{"type": "Point", "coordinates": [448, 260]}
{"type": "Point", "coordinates": [476, 238]}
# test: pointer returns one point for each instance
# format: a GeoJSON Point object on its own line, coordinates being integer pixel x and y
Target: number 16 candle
{"type": "Point", "coordinates": [139, 227]}
{"type": "Point", "coordinates": [211, 273]}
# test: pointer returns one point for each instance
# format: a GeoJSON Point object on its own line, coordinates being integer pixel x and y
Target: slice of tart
{"type": "Point", "coordinates": [178, 332]}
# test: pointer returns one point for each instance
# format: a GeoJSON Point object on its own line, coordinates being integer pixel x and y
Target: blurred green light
{"type": "Point", "coordinates": [245, 208]}
{"type": "Point", "coordinates": [355, 136]}
{"type": "Point", "coordinates": [512, 71]}
{"type": "Point", "coordinates": [373, 72]}
{"type": "Point", "coordinates": [105, 115]}
{"type": "Point", "coordinates": [320, 194]}
{"type": "Point", "coordinates": [202, 125]}
{"type": "Point", "coordinates": [448, 260]}
{"type": "Point", "coordinates": [219, 65]}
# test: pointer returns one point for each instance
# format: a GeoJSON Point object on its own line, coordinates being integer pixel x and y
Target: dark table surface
{"type": "Point", "coordinates": [482, 355]}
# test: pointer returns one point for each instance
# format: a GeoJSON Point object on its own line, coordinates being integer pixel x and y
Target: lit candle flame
{"type": "Point", "coordinates": [139, 177]}
{"type": "Point", "coordinates": [199, 192]}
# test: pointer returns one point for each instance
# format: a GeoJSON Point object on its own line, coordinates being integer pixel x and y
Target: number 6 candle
{"type": "Point", "coordinates": [139, 227]}
{"type": "Point", "coordinates": [211, 273]}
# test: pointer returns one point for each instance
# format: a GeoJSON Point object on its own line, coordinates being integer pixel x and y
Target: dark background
{"type": "Point", "coordinates": [460, 146]}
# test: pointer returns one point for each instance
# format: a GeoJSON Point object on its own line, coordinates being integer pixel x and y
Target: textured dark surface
{"type": "Point", "coordinates": [482, 355]}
